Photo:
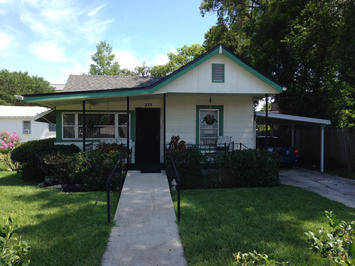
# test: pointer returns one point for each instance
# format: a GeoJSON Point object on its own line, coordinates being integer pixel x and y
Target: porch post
{"type": "Point", "coordinates": [267, 120]}
{"type": "Point", "coordinates": [129, 156]}
{"type": "Point", "coordinates": [164, 126]}
{"type": "Point", "coordinates": [322, 149]}
{"type": "Point", "coordinates": [84, 127]}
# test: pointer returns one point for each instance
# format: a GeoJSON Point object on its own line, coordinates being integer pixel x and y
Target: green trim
{"type": "Point", "coordinates": [221, 119]}
{"type": "Point", "coordinates": [252, 71]}
{"type": "Point", "coordinates": [60, 125]}
{"type": "Point", "coordinates": [130, 92]}
{"type": "Point", "coordinates": [218, 81]}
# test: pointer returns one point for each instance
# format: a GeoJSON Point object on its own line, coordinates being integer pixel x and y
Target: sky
{"type": "Point", "coordinates": [52, 39]}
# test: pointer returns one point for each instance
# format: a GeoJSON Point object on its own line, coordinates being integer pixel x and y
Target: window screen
{"type": "Point", "coordinates": [98, 125]}
{"type": "Point", "coordinates": [51, 127]}
{"type": "Point", "coordinates": [69, 126]}
{"type": "Point", "coordinates": [27, 127]}
{"type": "Point", "coordinates": [209, 126]}
{"type": "Point", "coordinates": [217, 73]}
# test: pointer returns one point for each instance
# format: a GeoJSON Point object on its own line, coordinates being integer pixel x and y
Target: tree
{"type": "Point", "coordinates": [301, 44]}
{"type": "Point", "coordinates": [184, 55]}
{"type": "Point", "coordinates": [18, 83]}
{"type": "Point", "coordinates": [104, 61]}
{"type": "Point", "coordinates": [142, 71]}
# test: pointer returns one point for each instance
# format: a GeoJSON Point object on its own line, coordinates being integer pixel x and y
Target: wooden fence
{"type": "Point", "coordinates": [339, 146]}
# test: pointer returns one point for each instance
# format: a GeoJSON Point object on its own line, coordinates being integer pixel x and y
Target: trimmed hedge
{"type": "Point", "coordinates": [91, 169]}
{"type": "Point", "coordinates": [245, 168]}
{"type": "Point", "coordinates": [249, 168]}
{"type": "Point", "coordinates": [30, 156]}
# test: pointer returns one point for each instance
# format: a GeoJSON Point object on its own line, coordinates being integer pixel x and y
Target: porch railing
{"type": "Point", "coordinates": [213, 148]}
{"type": "Point", "coordinates": [117, 168]}
{"type": "Point", "coordinates": [176, 176]}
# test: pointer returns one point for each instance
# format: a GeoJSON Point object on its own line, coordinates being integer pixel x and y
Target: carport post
{"type": "Point", "coordinates": [322, 149]}
{"type": "Point", "coordinates": [267, 120]}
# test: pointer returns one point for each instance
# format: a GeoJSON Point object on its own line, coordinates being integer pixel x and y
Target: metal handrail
{"type": "Point", "coordinates": [108, 182]}
{"type": "Point", "coordinates": [178, 185]}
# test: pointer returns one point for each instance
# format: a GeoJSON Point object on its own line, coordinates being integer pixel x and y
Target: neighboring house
{"type": "Point", "coordinates": [21, 119]}
{"type": "Point", "coordinates": [58, 87]}
{"type": "Point", "coordinates": [209, 97]}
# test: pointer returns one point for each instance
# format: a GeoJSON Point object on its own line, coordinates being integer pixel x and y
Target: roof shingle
{"type": "Point", "coordinates": [102, 82]}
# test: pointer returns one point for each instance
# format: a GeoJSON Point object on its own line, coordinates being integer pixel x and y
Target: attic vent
{"type": "Point", "coordinates": [217, 72]}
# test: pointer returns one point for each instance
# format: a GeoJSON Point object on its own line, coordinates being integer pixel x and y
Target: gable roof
{"type": "Point", "coordinates": [88, 86]}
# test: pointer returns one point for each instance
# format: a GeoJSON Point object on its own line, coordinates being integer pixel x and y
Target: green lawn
{"type": "Point", "coordinates": [61, 228]}
{"type": "Point", "coordinates": [219, 222]}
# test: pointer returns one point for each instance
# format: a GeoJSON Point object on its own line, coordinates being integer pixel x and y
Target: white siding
{"type": "Point", "coordinates": [236, 80]}
{"type": "Point", "coordinates": [39, 130]}
{"type": "Point", "coordinates": [238, 116]}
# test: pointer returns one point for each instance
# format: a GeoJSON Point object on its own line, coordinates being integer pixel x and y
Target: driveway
{"type": "Point", "coordinates": [330, 186]}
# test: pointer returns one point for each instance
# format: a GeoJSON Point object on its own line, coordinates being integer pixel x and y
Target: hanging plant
{"type": "Point", "coordinates": [209, 119]}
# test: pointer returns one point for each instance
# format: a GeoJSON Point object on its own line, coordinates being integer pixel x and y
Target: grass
{"type": "Point", "coordinates": [219, 222]}
{"type": "Point", "coordinates": [61, 228]}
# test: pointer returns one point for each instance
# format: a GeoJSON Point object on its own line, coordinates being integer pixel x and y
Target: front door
{"type": "Point", "coordinates": [147, 136]}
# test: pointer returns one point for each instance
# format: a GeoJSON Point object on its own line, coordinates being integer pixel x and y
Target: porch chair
{"type": "Point", "coordinates": [224, 144]}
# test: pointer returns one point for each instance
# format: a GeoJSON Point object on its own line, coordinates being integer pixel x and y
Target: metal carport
{"type": "Point", "coordinates": [293, 120]}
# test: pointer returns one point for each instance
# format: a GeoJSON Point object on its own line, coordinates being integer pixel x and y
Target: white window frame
{"type": "Point", "coordinates": [199, 125]}
{"type": "Point", "coordinates": [28, 131]}
{"type": "Point", "coordinates": [76, 125]}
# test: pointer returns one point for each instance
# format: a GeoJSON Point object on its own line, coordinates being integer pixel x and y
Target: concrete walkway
{"type": "Point", "coordinates": [330, 186]}
{"type": "Point", "coordinates": [146, 232]}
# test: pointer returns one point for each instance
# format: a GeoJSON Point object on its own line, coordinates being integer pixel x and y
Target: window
{"type": "Point", "coordinates": [27, 127]}
{"type": "Point", "coordinates": [69, 126]}
{"type": "Point", "coordinates": [209, 126]}
{"type": "Point", "coordinates": [218, 73]}
{"type": "Point", "coordinates": [98, 125]}
{"type": "Point", "coordinates": [51, 127]}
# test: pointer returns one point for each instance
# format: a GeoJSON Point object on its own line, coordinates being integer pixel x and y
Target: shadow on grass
{"type": "Point", "coordinates": [61, 228]}
{"type": "Point", "coordinates": [217, 223]}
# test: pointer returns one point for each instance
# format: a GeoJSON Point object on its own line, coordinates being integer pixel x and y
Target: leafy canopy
{"type": "Point", "coordinates": [19, 83]}
{"type": "Point", "coordinates": [183, 56]}
{"type": "Point", "coordinates": [306, 45]}
{"type": "Point", "coordinates": [104, 63]}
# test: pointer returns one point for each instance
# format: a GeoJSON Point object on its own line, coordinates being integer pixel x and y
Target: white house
{"type": "Point", "coordinates": [211, 96]}
{"type": "Point", "coordinates": [21, 119]}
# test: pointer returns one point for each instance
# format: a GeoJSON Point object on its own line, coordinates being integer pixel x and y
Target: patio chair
{"type": "Point", "coordinates": [224, 143]}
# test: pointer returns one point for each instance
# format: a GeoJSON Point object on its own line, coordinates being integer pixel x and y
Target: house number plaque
{"type": "Point", "coordinates": [148, 104]}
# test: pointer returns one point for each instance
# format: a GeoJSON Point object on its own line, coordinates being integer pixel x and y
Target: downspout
{"type": "Point", "coordinates": [267, 120]}
{"type": "Point", "coordinates": [128, 159]}
{"type": "Point", "coordinates": [84, 127]}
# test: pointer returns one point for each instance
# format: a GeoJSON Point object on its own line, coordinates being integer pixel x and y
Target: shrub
{"type": "Point", "coordinates": [7, 143]}
{"type": "Point", "coordinates": [30, 156]}
{"type": "Point", "coordinates": [91, 169]}
{"type": "Point", "coordinates": [13, 250]}
{"type": "Point", "coordinates": [248, 168]}
{"type": "Point", "coordinates": [337, 244]}
{"type": "Point", "coordinates": [188, 163]}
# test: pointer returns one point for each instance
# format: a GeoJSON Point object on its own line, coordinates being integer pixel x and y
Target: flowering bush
{"type": "Point", "coordinates": [7, 143]}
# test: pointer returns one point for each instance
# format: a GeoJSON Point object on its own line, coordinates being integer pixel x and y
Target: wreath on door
{"type": "Point", "coordinates": [209, 119]}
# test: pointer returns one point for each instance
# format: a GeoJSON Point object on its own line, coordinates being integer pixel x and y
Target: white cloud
{"type": "Point", "coordinates": [127, 59]}
{"type": "Point", "coordinates": [56, 14]}
{"type": "Point", "coordinates": [48, 51]}
{"type": "Point", "coordinates": [96, 10]}
{"type": "Point", "coordinates": [159, 59]}
{"type": "Point", "coordinates": [76, 69]}
{"type": "Point", "coordinates": [5, 40]}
